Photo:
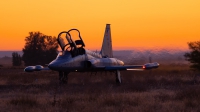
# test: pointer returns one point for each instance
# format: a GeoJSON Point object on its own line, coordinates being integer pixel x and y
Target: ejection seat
{"type": "Point", "coordinates": [67, 44]}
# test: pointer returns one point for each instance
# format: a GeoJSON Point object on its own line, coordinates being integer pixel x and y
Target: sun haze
{"type": "Point", "coordinates": [134, 23]}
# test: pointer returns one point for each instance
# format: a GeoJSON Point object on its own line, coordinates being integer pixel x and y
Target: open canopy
{"type": "Point", "coordinates": [70, 40]}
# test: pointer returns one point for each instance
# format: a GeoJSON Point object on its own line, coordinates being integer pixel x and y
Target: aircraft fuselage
{"type": "Point", "coordinates": [83, 62]}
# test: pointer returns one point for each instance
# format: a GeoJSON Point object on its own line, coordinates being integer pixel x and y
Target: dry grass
{"type": "Point", "coordinates": [169, 88]}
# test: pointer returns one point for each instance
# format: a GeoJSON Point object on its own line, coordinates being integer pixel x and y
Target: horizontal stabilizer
{"type": "Point", "coordinates": [135, 69]}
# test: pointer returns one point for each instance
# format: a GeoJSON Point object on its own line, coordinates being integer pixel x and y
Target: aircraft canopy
{"type": "Point", "coordinates": [70, 40]}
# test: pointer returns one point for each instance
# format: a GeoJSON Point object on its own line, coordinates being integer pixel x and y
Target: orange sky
{"type": "Point", "coordinates": [134, 23]}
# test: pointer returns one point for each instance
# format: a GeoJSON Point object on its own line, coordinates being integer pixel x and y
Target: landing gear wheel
{"type": "Point", "coordinates": [118, 77]}
{"type": "Point", "coordinates": [63, 77]}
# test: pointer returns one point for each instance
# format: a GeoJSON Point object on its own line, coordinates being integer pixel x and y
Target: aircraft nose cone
{"type": "Point", "coordinates": [50, 66]}
{"type": "Point", "coordinates": [53, 65]}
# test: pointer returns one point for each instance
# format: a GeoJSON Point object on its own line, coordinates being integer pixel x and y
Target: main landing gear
{"type": "Point", "coordinates": [118, 77]}
{"type": "Point", "coordinates": [63, 77]}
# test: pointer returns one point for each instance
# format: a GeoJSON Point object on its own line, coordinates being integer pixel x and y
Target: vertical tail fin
{"type": "Point", "coordinates": [106, 49]}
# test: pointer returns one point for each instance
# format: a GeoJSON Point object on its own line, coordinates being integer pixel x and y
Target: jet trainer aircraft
{"type": "Point", "coordinates": [75, 58]}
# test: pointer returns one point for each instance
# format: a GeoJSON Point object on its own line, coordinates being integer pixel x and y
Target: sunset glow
{"type": "Point", "coordinates": [134, 23]}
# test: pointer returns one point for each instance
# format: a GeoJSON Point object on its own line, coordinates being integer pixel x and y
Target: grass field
{"type": "Point", "coordinates": [169, 88]}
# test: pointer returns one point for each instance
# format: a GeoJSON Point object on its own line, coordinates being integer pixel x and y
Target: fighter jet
{"type": "Point", "coordinates": [75, 58]}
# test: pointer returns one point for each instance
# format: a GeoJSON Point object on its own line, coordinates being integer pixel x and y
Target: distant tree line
{"type": "Point", "coordinates": [39, 49]}
{"type": "Point", "coordinates": [16, 59]}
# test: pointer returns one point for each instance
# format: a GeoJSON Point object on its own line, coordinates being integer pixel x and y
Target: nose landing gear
{"type": "Point", "coordinates": [63, 77]}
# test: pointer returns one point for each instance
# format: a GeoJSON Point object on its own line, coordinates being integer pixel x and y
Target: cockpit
{"type": "Point", "coordinates": [72, 42]}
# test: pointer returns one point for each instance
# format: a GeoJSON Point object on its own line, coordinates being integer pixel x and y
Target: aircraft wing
{"type": "Point", "coordinates": [133, 67]}
{"type": "Point", "coordinates": [35, 68]}
{"type": "Point", "coordinates": [126, 67]}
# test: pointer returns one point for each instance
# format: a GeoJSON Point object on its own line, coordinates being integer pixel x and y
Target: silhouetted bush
{"type": "Point", "coordinates": [194, 55]}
